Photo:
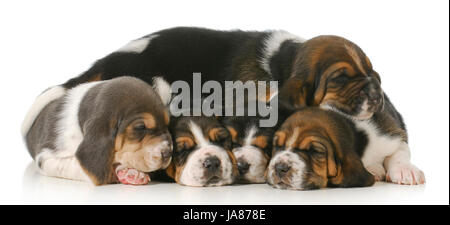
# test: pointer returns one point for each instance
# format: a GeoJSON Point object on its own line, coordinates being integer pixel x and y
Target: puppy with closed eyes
{"type": "Point", "coordinates": [202, 152]}
{"type": "Point", "coordinates": [100, 132]}
{"type": "Point", "coordinates": [251, 145]}
{"type": "Point", "coordinates": [316, 148]}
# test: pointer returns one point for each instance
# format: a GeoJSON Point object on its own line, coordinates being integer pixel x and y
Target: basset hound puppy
{"type": "Point", "coordinates": [316, 148]}
{"type": "Point", "coordinates": [101, 132]}
{"type": "Point", "coordinates": [202, 152]}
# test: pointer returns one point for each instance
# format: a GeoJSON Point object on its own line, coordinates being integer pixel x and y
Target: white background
{"type": "Point", "coordinates": [43, 43]}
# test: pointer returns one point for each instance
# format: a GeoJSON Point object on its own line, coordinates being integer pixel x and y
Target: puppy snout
{"type": "Point", "coordinates": [373, 95]}
{"type": "Point", "coordinates": [212, 164]}
{"type": "Point", "coordinates": [281, 169]}
{"type": "Point", "coordinates": [242, 166]}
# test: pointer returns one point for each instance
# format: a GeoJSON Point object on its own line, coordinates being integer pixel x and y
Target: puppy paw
{"type": "Point", "coordinates": [132, 176]}
{"type": "Point", "coordinates": [377, 171]}
{"type": "Point", "coordinates": [405, 174]}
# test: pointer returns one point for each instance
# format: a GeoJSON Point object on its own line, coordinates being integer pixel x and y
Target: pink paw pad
{"type": "Point", "coordinates": [132, 176]}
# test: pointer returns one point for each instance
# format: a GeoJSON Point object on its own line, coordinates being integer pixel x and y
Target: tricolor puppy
{"type": "Point", "coordinates": [202, 155]}
{"type": "Point", "coordinates": [100, 132]}
{"type": "Point", "coordinates": [251, 146]}
{"type": "Point", "coordinates": [316, 148]}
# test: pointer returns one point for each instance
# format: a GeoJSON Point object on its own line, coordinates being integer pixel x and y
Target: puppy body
{"type": "Point", "coordinates": [387, 155]}
{"type": "Point", "coordinates": [89, 130]}
{"type": "Point", "coordinates": [202, 155]}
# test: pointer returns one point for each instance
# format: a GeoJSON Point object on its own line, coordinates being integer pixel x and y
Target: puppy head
{"type": "Point", "coordinates": [143, 143]}
{"type": "Point", "coordinates": [314, 149]}
{"type": "Point", "coordinates": [251, 146]}
{"type": "Point", "coordinates": [332, 72]}
{"type": "Point", "coordinates": [126, 125]}
{"type": "Point", "coordinates": [202, 155]}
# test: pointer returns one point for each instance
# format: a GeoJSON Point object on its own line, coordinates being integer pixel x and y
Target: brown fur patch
{"type": "Point", "coordinates": [369, 64]}
{"type": "Point", "coordinates": [171, 170]}
{"type": "Point", "coordinates": [235, 170]}
{"type": "Point", "coordinates": [149, 120]}
{"type": "Point", "coordinates": [184, 142]}
{"type": "Point", "coordinates": [215, 133]}
{"type": "Point", "coordinates": [233, 133]}
{"type": "Point", "coordinates": [166, 118]}
{"type": "Point", "coordinates": [97, 77]}
{"type": "Point", "coordinates": [280, 138]}
{"type": "Point", "coordinates": [356, 59]}
{"type": "Point", "coordinates": [260, 141]}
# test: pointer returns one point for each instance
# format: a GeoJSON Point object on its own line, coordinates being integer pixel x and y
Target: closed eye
{"type": "Point", "coordinates": [341, 79]}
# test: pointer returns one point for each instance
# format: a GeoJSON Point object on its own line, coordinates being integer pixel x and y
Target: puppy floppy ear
{"type": "Point", "coordinates": [171, 170]}
{"type": "Point", "coordinates": [377, 76]}
{"type": "Point", "coordinates": [95, 153]}
{"type": "Point", "coordinates": [351, 172]}
{"type": "Point", "coordinates": [295, 93]}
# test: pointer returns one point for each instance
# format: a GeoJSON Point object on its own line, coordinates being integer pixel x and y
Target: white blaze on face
{"type": "Point", "coordinates": [193, 172]}
{"type": "Point", "coordinates": [254, 157]}
{"type": "Point", "coordinates": [297, 169]}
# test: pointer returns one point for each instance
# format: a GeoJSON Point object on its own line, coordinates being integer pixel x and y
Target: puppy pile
{"type": "Point", "coordinates": [111, 124]}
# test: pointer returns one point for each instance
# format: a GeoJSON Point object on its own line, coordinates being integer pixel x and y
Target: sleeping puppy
{"type": "Point", "coordinates": [100, 132]}
{"type": "Point", "coordinates": [202, 155]}
{"type": "Point", "coordinates": [316, 148]}
{"type": "Point", "coordinates": [251, 146]}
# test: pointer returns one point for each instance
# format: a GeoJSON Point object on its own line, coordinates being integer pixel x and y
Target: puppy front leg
{"type": "Point", "coordinates": [399, 168]}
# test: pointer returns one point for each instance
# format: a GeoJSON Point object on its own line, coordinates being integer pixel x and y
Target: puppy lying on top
{"type": "Point", "coordinates": [316, 148]}
{"type": "Point", "coordinates": [101, 132]}
{"type": "Point", "coordinates": [202, 153]}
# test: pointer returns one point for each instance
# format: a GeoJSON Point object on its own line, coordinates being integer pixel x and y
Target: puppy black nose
{"type": "Point", "coordinates": [212, 163]}
{"type": "Point", "coordinates": [374, 96]}
{"type": "Point", "coordinates": [242, 167]}
{"type": "Point", "coordinates": [281, 169]}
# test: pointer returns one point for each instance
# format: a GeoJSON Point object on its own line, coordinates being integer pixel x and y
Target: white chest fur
{"type": "Point", "coordinates": [379, 145]}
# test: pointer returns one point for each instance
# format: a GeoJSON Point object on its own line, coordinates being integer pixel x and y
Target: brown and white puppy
{"type": "Point", "coordinates": [316, 148]}
{"type": "Point", "coordinates": [251, 146]}
{"type": "Point", "coordinates": [100, 132]}
{"type": "Point", "coordinates": [202, 155]}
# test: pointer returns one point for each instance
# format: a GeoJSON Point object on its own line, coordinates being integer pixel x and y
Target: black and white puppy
{"type": "Point", "coordinates": [100, 132]}
{"type": "Point", "coordinates": [202, 155]}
